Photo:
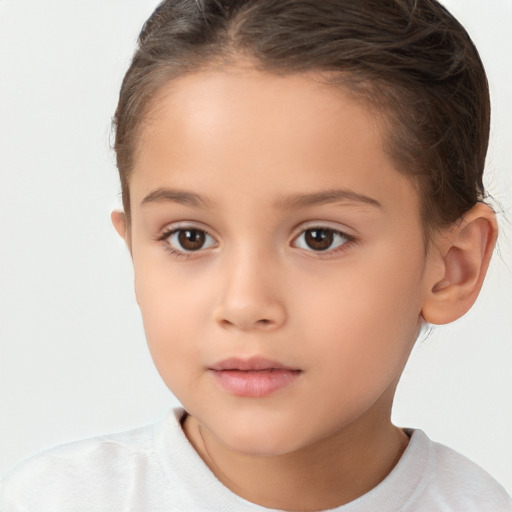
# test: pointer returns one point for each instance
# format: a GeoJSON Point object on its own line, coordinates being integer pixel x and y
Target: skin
{"type": "Point", "coordinates": [248, 143]}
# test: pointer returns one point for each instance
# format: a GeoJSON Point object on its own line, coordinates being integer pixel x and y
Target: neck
{"type": "Point", "coordinates": [327, 474]}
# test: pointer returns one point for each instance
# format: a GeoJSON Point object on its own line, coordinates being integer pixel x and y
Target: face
{"type": "Point", "coordinates": [279, 258]}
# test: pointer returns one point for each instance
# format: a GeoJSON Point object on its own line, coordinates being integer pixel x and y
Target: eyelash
{"type": "Point", "coordinates": [167, 233]}
{"type": "Point", "coordinates": [349, 240]}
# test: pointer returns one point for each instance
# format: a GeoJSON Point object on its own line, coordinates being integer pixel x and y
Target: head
{"type": "Point", "coordinates": [302, 183]}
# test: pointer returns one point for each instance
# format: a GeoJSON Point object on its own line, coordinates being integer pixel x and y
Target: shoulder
{"type": "Point", "coordinates": [453, 482]}
{"type": "Point", "coordinates": [79, 475]}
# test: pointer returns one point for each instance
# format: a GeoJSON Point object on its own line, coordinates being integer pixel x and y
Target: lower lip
{"type": "Point", "coordinates": [255, 384]}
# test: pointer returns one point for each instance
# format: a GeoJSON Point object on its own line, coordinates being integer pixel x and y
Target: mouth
{"type": "Point", "coordinates": [255, 377]}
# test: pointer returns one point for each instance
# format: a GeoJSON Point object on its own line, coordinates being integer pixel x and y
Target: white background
{"type": "Point", "coordinates": [73, 360]}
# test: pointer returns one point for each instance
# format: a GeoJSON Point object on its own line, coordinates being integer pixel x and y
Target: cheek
{"type": "Point", "coordinates": [368, 318]}
{"type": "Point", "coordinates": [171, 312]}
{"type": "Point", "coordinates": [360, 344]}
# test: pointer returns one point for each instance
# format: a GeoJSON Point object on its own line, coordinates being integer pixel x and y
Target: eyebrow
{"type": "Point", "coordinates": [325, 197]}
{"type": "Point", "coordinates": [161, 195]}
{"type": "Point", "coordinates": [288, 202]}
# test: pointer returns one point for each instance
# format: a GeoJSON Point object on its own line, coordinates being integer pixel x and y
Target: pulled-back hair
{"type": "Point", "coordinates": [410, 60]}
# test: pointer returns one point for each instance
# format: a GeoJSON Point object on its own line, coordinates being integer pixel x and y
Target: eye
{"type": "Point", "coordinates": [189, 239]}
{"type": "Point", "coordinates": [321, 239]}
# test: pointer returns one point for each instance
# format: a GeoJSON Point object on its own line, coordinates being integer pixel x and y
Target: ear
{"type": "Point", "coordinates": [121, 226]}
{"type": "Point", "coordinates": [458, 265]}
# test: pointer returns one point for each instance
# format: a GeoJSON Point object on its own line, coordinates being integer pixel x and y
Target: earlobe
{"type": "Point", "coordinates": [461, 261]}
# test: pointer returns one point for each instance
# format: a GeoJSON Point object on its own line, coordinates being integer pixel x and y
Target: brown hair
{"type": "Point", "coordinates": [411, 59]}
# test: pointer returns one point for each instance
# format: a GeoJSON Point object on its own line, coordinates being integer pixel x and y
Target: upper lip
{"type": "Point", "coordinates": [250, 364]}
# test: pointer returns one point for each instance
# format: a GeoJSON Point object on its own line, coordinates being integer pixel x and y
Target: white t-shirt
{"type": "Point", "coordinates": [155, 468]}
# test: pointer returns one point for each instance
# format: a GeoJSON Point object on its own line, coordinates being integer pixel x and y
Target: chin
{"type": "Point", "coordinates": [258, 447]}
{"type": "Point", "coordinates": [260, 439]}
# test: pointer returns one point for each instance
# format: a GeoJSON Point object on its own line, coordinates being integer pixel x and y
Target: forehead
{"type": "Point", "coordinates": [243, 128]}
{"type": "Point", "coordinates": [214, 102]}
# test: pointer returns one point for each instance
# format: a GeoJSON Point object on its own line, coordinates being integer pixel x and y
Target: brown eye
{"type": "Point", "coordinates": [320, 239]}
{"type": "Point", "coordinates": [189, 240]}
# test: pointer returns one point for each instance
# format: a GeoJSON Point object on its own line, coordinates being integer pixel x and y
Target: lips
{"type": "Point", "coordinates": [255, 377]}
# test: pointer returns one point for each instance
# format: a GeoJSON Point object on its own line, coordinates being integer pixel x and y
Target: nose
{"type": "Point", "coordinates": [250, 296]}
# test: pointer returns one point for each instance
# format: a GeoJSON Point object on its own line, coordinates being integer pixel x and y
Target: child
{"type": "Point", "coordinates": [302, 190]}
